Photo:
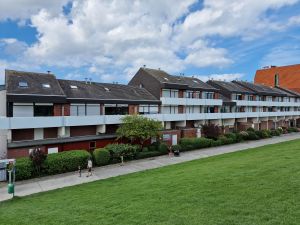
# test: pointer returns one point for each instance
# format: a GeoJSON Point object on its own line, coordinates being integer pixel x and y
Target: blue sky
{"type": "Point", "coordinates": [109, 40]}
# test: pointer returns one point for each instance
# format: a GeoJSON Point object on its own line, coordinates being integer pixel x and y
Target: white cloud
{"type": "Point", "coordinates": [222, 77]}
{"type": "Point", "coordinates": [117, 37]}
{"type": "Point", "coordinates": [294, 21]}
{"type": "Point", "coordinates": [21, 9]}
{"type": "Point", "coordinates": [282, 55]}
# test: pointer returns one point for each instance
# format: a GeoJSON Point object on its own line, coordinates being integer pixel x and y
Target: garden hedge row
{"type": "Point", "coordinates": [54, 164]}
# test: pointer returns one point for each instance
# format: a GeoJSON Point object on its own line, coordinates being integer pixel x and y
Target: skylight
{"type": "Point", "coordinates": [106, 89]}
{"type": "Point", "coordinates": [73, 87]}
{"type": "Point", "coordinates": [166, 78]}
{"type": "Point", "coordinates": [23, 84]}
{"type": "Point", "coordinates": [195, 81]}
{"type": "Point", "coordinates": [46, 85]}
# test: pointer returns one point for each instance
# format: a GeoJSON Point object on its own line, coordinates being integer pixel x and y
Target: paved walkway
{"type": "Point", "coordinates": [37, 185]}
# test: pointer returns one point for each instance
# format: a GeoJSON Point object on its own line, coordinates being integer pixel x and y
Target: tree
{"type": "Point", "coordinates": [211, 131]}
{"type": "Point", "coordinates": [138, 128]}
{"type": "Point", "coordinates": [37, 157]}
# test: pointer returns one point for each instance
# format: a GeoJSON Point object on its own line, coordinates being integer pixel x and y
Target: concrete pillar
{"type": "Point", "coordinates": [3, 144]}
{"type": "Point", "coordinates": [64, 132]}
{"type": "Point", "coordinates": [101, 129]}
{"type": "Point", "coordinates": [38, 133]}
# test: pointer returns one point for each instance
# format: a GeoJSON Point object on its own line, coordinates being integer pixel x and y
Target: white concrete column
{"type": "Point", "coordinates": [38, 133]}
{"type": "Point", "coordinates": [64, 132]}
{"type": "Point", "coordinates": [101, 129]}
{"type": "Point", "coordinates": [3, 144]}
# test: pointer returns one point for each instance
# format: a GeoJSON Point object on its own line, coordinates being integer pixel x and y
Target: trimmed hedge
{"type": "Point", "coordinates": [101, 156]}
{"type": "Point", "coordinates": [143, 155]}
{"type": "Point", "coordinates": [195, 143]}
{"type": "Point", "coordinates": [24, 169]}
{"type": "Point", "coordinates": [54, 164]}
{"type": "Point", "coordinates": [163, 148]}
{"type": "Point", "coordinates": [67, 161]}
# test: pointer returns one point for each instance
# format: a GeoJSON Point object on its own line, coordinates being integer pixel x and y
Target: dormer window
{"type": "Point", "coordinates": [73, 87]}
{"type": "Point", "coordinates": [23, 84]}
{"type": "Point", "coordinates": [46, 85]}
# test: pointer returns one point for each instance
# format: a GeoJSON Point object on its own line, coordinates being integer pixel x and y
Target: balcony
{"type": "Point", "coordinates": [61, 121]}
{"type": "Point", "coordinates": [190, 101]}
{"type": "Point", "coordinates": [266, 103]}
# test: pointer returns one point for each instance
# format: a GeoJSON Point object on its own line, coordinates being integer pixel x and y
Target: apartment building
{"type": "Point", "coordinates": [60, 115]}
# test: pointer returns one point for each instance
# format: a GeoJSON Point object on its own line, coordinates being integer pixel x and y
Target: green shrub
{"type": "Point", "coordinates": [266, 134]}
{"type": "Point", "coordinates": [101, 156]}
{"type": "Point", "coordinates": [251, 129]}
{"type": "Point", "coordinates": [125, 150]}
{"type": "Point", "coordinates": [195, 143]}
{"type": "Point", "coordinates": [259, 133]}
{"type": "Point", "coordinates": [216, 143]}
{"type": "Point", "coordinates": [225, 141]}
{"type": "Point", "coordinates": [145, 149]}
{"type": "Point", "coordinates": [240, 137]}
{"type": "Point", "coordinates": [232, 136]}
{"type": "Point", "coordinates": [152, 148]}
{"type": "Point", "coordinates": [275, 132]}
{"type": "Point", "coordinates": [65, 162]}
{"type": "Point", "coordinates": [292, 129]}
{"type": "Point", "coordinates": [24, 169]}
{"type": "Point", "coordinates": [176, 148]}
{"type": "Point", "coordinates": [252, 136]}
{"type": "Point", "coordinates": [280, 130]}
{"type": "Point", "coordinates": [143, 155]}
{"type": "Point", "coordinates": [163, 148]}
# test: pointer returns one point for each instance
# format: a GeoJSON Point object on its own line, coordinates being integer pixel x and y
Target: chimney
{"type": "Point", "coordinates": [86, 80]}
{"type": "Point", "coordinates": [48, 71]}
{"type": "Point", "coordinates": [90, 80]}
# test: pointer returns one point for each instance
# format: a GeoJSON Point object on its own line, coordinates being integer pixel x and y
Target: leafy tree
{"type": "Point", "coordinates": [38, 157]}
{"type": "Point", "coordinates": [138, 128]}
{"type": "Point", "coordinates": [211, 131]}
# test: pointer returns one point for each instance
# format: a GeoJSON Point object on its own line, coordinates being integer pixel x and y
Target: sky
{"type": "Point", "coordinates": [109, 40]}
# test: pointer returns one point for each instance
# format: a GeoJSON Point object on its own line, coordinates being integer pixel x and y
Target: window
{"type": "Point", "coordinates": [23, 84]}
{"type": "Point", "coordinates": [73, 87]}
{"type": "Point", "coordinates": [22, 110]}
{"type": "Point", "coordinates": [170, 109]}
{"type": "Point", "coordinates": [46, 85]}
{"type": "Point", "coordinates": [77, 110]}
{"type": "Point", "coordinates": [106, 89]}
{"type": "Point", "coordinates": [92, 109]}
{"type": "Point", "coordinates": [166, 79]}
{"type": "Point", "coordinates": [116, 109]}
{"type": "Point", "coordinates": [92, 145]}
{"type": "Point", "coordinates": [170, 93]}
{"type": "Point", "coordinates": [189, 94]}
{"type": "Point", "coordinates": [208, 95]}
{"type": "Point", "coordinates": [250, 97]}
{"type": "Point", "coordinates": [43, 110]}
{"type": "Point", "coordinates": [148, 109]}
{"type": "Point", "coordinates": [209, 109]}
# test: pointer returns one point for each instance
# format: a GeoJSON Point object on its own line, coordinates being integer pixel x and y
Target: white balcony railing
{"type": "Point", "coordinates": [190, 101]}
{"type": "Point", "coordinates": [266, 103]}
{"type": "Point", "coordinates": [61, 121]}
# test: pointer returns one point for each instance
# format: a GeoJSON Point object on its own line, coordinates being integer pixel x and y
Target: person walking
{"type": "Point", "coordinates": [89, 167]}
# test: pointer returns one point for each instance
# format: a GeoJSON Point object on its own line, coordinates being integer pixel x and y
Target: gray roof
{"type": "Point", "coordinates": [35, 83]}
{"type": "Point", "coordinates": [288, 91]}
{"type": "Point", "coordinates": [104, 91]}
{"type": "Point", "coordinates": [62, 88]}
{"type": "Point", "coordinates": [230, 87]}
{"type": "Point", "coordinates": [189, 82]}
{"type": "Point", "coordinates": [260, 89]}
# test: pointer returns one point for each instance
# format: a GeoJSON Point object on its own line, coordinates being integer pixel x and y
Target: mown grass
{"type": "Point", "coordinates": [259, 186]}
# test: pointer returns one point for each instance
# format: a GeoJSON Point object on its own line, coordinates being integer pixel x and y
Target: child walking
{"type": "Point", "coordinates": [89, 167]}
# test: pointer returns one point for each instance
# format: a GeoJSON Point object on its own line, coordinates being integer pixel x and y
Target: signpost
{"type": "Point", "coordinates": [10, 168]}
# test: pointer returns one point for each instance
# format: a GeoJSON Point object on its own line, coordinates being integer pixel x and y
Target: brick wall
{"type": "Point", "coordinates": [132, 109]}
{"type": "Point", "coordinates": [20, 152]}
{"type": "Point", "coordinates": [171, 132]}
{"type": "Point", "coordinates": [66, 109]}
{"type": "Point", "coordinates": [189, 133]}
{"type": "Point", "coordinates": [57, 110]}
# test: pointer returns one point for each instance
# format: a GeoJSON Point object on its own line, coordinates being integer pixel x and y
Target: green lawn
{"type": "Point", "coordinates": [260, 186]}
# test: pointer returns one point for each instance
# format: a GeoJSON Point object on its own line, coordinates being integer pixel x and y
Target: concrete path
{"type": "Point", "coordinates": [37, 185]}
